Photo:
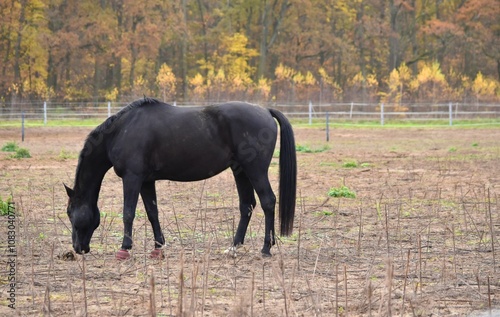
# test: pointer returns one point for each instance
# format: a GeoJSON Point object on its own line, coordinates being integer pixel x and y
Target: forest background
{"type": "Point", "coordinates": [281, 51]}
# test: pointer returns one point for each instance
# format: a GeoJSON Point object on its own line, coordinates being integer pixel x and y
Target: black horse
{"type": "Point", "coordinates": [149, 140]}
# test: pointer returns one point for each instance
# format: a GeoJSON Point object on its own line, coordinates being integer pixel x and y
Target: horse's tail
{"type": "Point", "coordinates": [288, 174]}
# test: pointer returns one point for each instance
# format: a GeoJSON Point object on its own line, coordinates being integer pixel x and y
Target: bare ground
{"type": "Point", "coordinates": [420, 238]}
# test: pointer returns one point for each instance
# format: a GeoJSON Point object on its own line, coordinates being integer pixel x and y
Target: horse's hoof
{"type": "Point", "coordinates": [157, 254]}
{"type": "Point", "coordinates": [122, 255]}
{"type": "Point", "coordinates": [266, 253]}
{"type": "Point", "coordinates": [233, 250]}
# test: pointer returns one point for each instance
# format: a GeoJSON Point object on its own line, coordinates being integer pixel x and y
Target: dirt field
{"type": "Point", "coordinates": [421, 238]}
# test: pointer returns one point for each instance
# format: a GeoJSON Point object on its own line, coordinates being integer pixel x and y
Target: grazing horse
{"type": "Point", "coordinates": [149, 140]}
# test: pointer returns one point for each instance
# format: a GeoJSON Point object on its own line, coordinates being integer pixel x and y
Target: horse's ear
{"type": "Point", "coordinates": [69, 191]}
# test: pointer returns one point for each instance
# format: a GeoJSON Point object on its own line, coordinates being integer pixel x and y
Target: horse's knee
{"type": "Point", "coordinates": [269, 204]}
{"type": "Point", "coordinates": [128, 217]}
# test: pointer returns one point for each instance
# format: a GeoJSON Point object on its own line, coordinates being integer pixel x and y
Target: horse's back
{"type": "Point", "coordinates": [191, 143]}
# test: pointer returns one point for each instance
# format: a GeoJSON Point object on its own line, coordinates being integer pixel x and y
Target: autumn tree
{"type": "Point", "coordinates": [166, 81]}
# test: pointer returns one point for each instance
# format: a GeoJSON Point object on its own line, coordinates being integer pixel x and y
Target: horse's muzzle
{"type": "Point", "coordinates": [81, 249]}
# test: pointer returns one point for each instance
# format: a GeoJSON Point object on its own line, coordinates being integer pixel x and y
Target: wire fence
{"type": "Point", "coordinates": [383, 113]}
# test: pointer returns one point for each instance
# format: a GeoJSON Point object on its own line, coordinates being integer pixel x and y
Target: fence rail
{"type": "Point", "coordinates": [345, 112]}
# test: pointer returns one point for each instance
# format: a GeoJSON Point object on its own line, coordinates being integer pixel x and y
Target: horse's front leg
{"type": "Point", "coordinates": [131, 188]}
{"type": "Point", "coordinates": [148, 194]}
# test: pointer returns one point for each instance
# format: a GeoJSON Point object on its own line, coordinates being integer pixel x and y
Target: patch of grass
{"type": "Point", "coordinates": [21, 153]}
{"type": "Point", "coordinates": [342, 191]}
{"type": "Point", "coordinates": [452, 149]}
{"type": "Point", "coordinates": [350, 164]}
{"type": "Point", "coordinates": [307, 149]}
{"type": "Point", "coordinates": [5, 205]}
{"type": "Point", "coordinates": [324, 213]}
{"type": "Point", "coordinates": [64, 155]}
{"type": "Point", "coordinates": [475, 144]}
{"type": "Point", "coordinates": [10, 147]}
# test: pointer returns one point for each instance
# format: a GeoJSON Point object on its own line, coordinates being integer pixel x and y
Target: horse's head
{"type": "Point", "coordinates": [84, 220]}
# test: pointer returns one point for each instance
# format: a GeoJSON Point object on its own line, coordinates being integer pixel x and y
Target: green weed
{"type": "Point", "coordinates": [5, 206]}
{"type": "Point", "coordinates": [21, 153]}
{"type": "Point", "coordinates": [342, 191]}
{"type": "Point", "coordinates": [350, 164]}
{"type": "Point", "coordinates": [10, 147]}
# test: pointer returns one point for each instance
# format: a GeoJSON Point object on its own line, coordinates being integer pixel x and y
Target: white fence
{"type": "Point", "coordinates": [338, 112]}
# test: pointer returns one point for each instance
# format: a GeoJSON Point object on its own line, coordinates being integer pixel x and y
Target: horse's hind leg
{"type": "Point", "coordinates": [247, 204]}
{"type": "Point", "coordinates": [148, 194]}
{"type": "Point", "coordinates": [268, 202]}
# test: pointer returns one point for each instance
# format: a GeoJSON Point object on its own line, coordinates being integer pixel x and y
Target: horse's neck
{"type": "Point", "coordinates": [92, 166]}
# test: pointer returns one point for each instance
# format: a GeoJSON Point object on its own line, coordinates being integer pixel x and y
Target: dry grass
{"type": "Point", "coordinates": [420, 239]}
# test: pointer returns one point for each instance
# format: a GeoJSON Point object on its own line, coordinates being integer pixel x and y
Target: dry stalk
{"type": "Point", "coordinates": [46, 302]}
{"type": "Point", "coordinates": [85, 304]}
{"type": "Point", "coordinates": [96, 297]}
{"type": "Point", "coordinates": [264, 285]}
{"type": "Point", "coordinates": [336, 290]}
{"type": "Point", "coordinates": [345, 286]}
{"type": "Point", "coordinates": [317, 308]}
{"type": "Point", "coordinates": [180, 308]}
{"type": "Point", "coordinates": [420, 263]}
{"type": "Point", "coordinates": [194, 277]}
{"type": "Point", "coordinates": [389, 282]}
{"type": "Point", "coordinates": [360, 230]}
{"type": "Point", "coordinates": [152, 293]}
{"type": "Point", "coordinates": [489, 295]}
{"type": "Point", "coordinates": [492, 232]}
{"type": "Point", "coordinates": [54, 211]}
{"type": "Point", "coordinates": [71, 294]}
{"type": "Point", "coordinates": [168, 286]}
{"type": "Point", "coordinates": [280, 276]}
{"type": "Point", "coordinates": [370, 294]}
{"type": "Point", "coordinates": [454, 251]}
{"type": "Point", "coordinates": [387, 229]}
{"type": "Point", "coordinates": [302, 209]}
{"type": "Point", "coordinates": [206, 272]}
{"type": "Point", "coordinates": [405, 281]}
{"type": "Point", "coordinates": [317, 259]}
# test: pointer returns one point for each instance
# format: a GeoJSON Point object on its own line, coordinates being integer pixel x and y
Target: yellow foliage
{"type": "Point", "coordinates": [111, 95]}
{"type": "Point", "coordinates": [298, 78]}
{"type": "Point", "coordinates": [264, 87]}
{"type": "Point", "coordinates": [431, 73]}
{"type": "Point", "coordinates": [404, 73]}
{"type": "Point", "coordinates": [197, 85]}
{"type": "Point", "coordinates": [309, 79]}
{"type": "Point", "coordinates": [284, 73]}
{"type": "Point", "coordinates": [483, 87]}
{"type": "Point", "coordinates": [166, 81]}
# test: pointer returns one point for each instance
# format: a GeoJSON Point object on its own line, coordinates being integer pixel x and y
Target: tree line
{"type": "Point", "coordinates": [258, 50]}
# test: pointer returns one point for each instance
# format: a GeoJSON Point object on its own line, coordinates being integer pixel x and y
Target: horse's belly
{"type": "Point", "coordinates": [192, 168]}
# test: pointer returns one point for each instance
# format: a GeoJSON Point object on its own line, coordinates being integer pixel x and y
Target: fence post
{"type": "Point", "coordinates": [327, 126]}
{"type": "Point", "coordinates": [175, 103]}
{"type": "Point", "coordinates": [450, 111]}
{"type": "Point", "coordinates": [109, 109]}
{"type": "Point", "coordinates": [45, 112]}
{"type": "Point", "coordinates": [310, 112]}
{"type": "Point", "coordinates": [382, 114]}
{"type": "Point", "coordinates": [350, 112]}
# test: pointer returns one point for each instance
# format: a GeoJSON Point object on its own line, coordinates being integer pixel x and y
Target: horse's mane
{"type": "Point", "coordinates": [106, 124]}
{"type": "Point", "coordinates": [94, 138]}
